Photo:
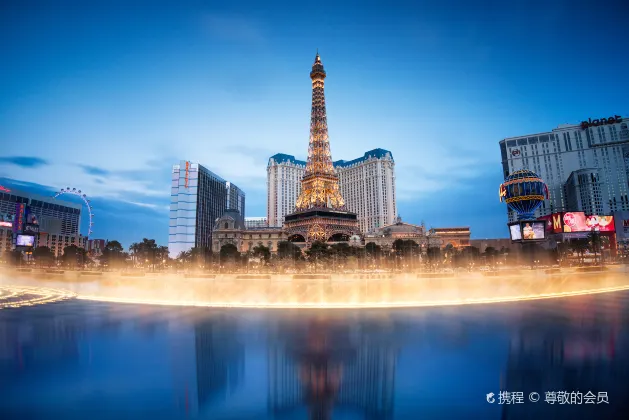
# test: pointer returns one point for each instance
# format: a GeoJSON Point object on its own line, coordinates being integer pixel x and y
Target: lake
{"type": "Point", "coordinates": [79, 359]}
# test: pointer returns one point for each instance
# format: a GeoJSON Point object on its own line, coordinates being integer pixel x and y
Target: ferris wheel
{"type": "Point", "coordinates": [83, 197]}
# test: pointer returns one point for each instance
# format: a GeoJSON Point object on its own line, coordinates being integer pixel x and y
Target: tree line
{"type": "Point", "coordinates": [402, 255]}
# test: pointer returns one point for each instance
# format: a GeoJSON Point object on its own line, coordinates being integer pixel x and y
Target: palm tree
{"type": "Point", "coordinates": [262, 252]}
{"type": "Point", "coordinates": [318, 251]}
{"type": "Point", "coordinates": [594, 239]}
{"type": "Point", "coordinates": [43, 255]}
{"type": "Point", "coordinates": [580, 246]}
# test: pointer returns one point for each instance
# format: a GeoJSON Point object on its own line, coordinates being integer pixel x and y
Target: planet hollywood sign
{"type": "Point", "coordinates": [601, 121]}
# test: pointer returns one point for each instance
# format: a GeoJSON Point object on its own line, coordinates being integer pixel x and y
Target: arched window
{"type": "Point", "coordinates": [226, 225]}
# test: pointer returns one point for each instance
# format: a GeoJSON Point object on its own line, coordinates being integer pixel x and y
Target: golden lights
{"type": "Point", "coordinates": [355, 294]}
{"type": "Point", "coordinates": [18, 296]}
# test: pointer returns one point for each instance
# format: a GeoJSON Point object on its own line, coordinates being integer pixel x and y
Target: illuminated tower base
{"type": "Point", "coordinates": [320, 225]}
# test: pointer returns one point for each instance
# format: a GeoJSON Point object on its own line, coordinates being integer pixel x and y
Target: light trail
{"type": "Point", "coordinates": [362, 305]}
{"type": "Point", "coordinates": [18, 296]}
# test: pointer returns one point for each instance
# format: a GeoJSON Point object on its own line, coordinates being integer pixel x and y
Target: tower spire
{"type": "Point", "coordinates": [320, 185]}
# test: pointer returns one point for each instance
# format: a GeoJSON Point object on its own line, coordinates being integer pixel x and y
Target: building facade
{"type": "Point", "coordinates": [367, 184]}
{"type": "Point", "coordinates": [229, 229]}
{"type": "Point", "coordinates": [198, 198]}
{"type": "Point", "coordinates": [436, 237]}
{"type": "Point", "coordinates": [57, 242]}
{"type": "Point", "coordinates": [458, 237]}
{"type": "Point", "coordinates": [621, 218]}
{"type": "Point", "coordinates": [53, 215]}
{"type": "Point", "coordinates": [595, 145]}
{"type": "Point", "coordinates": [95, 247]}
{"type": "Point", "coordinates": [584, 191]}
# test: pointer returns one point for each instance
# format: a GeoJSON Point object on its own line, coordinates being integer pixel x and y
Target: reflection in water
{"type": "Point", "coordinates": [77, 360]}
{"type": "Point", "coordinates": [41, 343]}
{"type": "Point", "coordinates": [581, 356]}
{"type": "Point", "coordinates": [220, 359]}
{"type": "Point", "coordinates": [326, 365]}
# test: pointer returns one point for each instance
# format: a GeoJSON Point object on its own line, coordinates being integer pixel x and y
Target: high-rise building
{"type": "Point", "coordinates": [599, 146]}
{"type": "Point", "coordinates": [53, 215]}
{"type": "Point", "coordinates": [583, 191]}
{"type": "Point", "coordinates": [320, 212]}
{"type": "Point", "coordinates": [367, 184]}
{"type": "Point", "coordinates": [198, 197]}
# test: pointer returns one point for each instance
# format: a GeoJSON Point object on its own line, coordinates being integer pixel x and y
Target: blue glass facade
{"type": "Point", "coordinates": [198, 197]}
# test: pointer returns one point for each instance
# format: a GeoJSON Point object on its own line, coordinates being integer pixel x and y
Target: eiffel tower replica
{"type": "Point", "coordinates": [320, 213]}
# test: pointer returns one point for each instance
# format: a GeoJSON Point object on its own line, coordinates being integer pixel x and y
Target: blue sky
{"type": "Point", "coordinates": [106, 96]}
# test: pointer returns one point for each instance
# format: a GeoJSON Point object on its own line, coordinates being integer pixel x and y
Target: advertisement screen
{"type": "Point", "coordinates": [533, 230]}
{"type": "Point", "coordinates": [600, 223]}
{"type": "Point", "coordinates": [31, 219]}
{"type": "Point", "coordinates": [579, 222]}
{"type": "Point", "coordinates": [25, 240]}
{"type": "Point", "coordinates": [516, 233]}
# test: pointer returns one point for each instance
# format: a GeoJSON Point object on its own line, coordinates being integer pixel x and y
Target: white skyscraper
{"type": "Point", "coordinates": [197, 198]}
{"type": "Point", "coordinates": [590, 160]}
{"type": "Point", "coordinates": [367, 185]}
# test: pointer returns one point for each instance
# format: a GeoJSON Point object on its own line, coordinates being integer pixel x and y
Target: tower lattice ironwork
{"type": "Point", "coordinates": [320, 213]}
{"type": "Point", "coordinates": [320, 184]}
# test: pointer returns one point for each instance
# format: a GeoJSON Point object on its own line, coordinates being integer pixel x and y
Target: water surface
{"type": "Point", "coordinates": [92, 360]}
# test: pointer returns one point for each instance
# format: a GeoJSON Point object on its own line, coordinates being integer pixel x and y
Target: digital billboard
{"type": "Point", "coordinates": [533, 230]}
{"type": "Point", "coordinates": [579, 222]}
{"type": "Point", "coordinates": [515, 232]}
{"type": "Point", "coordinates": [31, 219]}
{"type": "Point", "coordinates": [25, 240]}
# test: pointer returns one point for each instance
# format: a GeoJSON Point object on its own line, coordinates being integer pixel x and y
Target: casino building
{"type": "Point", "coordinates": [53, 222]}
{"type": "Point", "coordinates": [586, 165]}
{"type": "Point", "coordinates": [367, 184]}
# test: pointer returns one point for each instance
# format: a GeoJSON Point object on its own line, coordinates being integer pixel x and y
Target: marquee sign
{"type": "Point", "coordinates": [601, 121]}
{"type": "Point", "coordinates": [187, 174]}
{"type": "Point", "coordinates": [19, 218]}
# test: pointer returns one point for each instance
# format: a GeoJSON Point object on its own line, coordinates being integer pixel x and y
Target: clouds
{"type": "Point", "coordinates": [93, 170]}
{"type": "Point", "coordinates": [23, 161]}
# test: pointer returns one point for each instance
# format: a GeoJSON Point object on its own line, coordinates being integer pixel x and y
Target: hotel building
{"type": "Point", "coordinates": [53, 215]}
{"type": "Point", "coordinates": [367, 186]}
{"type": "Point", "coordinates": [198, 197]}
{"type": "Point", "coordinates": [57, 243]}
{"type": "Point", "coordinates": [586, 165]}
{"type": "Point", "coordinates": [58, 221]}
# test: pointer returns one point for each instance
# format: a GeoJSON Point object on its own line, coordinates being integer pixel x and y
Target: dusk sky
{"type": "Point", "coordinates": [106, 97]}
